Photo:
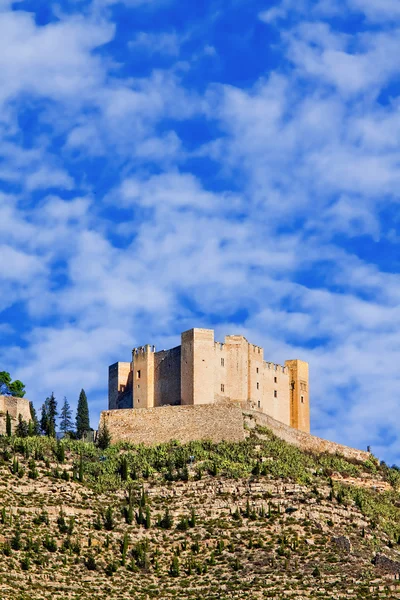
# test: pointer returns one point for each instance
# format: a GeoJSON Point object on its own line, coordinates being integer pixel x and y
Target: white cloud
{"type": "Point", "coordinates": [377, 10]}
{"type": "Point", "coordinates": [303, 158]}
{"type": "Point", "coordinates": [46, 177]}
{"type": "Point", "coordinates": [156, 43]}
{"type": "Point", "coordinates": [54, 60]}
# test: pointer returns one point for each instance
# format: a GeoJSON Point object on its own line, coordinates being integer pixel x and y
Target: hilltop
{"type": "Point", "coordinates": [252, 519]}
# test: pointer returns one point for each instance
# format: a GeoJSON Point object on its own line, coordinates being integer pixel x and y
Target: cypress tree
{"type": "Point", "coordinates": [34, 422]}
{"type": "Point", "coordinates": [22, 428]}
{"type": "Point", "coordinates": [82, 415]}
{"type": "Point", "coordinates": [8, 425]}
{"type": "Point", "coordinates": [52, 414]}
{"type": "Point", "coordinates": [65, 417]}
{"type": "Point", "coordinates": [44, 419]}
{"type": "Point", "coordinates": [104, 437]}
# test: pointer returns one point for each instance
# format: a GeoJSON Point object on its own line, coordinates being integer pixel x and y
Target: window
{"type": "Point", "coordinates": [275, 394]}
{"type": "Point", "coordinates": [222, 387]}
{"type": "Point", "coordinates": [138, 385]}
{"type": "Point", "coordinates": [259, 404]}
{"type": "Point", "coordinates": [258, 386]}
{"type": "Point", "coordinates": [137, 374]}
{"type": "Point", "coordinates": [275, 380]}
{"type": "Point", "coordinates": [257, 370]}
{"type": "Point", "coordinates": [222, 362]}
{"type": "Point", "coordinates": [302, 399]}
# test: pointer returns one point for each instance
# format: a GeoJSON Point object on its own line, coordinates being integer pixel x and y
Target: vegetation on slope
{"type": "Point", "coordinates": [254, 519]}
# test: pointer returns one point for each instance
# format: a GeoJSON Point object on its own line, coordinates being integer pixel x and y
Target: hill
{"type": "Point", "coordinates": [255, 519]}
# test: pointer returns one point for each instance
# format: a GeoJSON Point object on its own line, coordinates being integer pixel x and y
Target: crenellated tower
{"type": "Point", "coordinates": [143, 376]}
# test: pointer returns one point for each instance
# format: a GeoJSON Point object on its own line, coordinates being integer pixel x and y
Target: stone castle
{"type": "Point", "coordinates": [203, 372]}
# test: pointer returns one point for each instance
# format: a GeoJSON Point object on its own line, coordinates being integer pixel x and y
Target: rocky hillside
{"type": "Point", "coordinates": [257, 519]}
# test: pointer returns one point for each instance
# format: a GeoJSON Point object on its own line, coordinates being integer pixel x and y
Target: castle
{"type": "Point", "coordinates": [203, 372]}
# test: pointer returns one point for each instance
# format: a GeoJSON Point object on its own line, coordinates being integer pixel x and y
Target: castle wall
{"type": "Point", "coordinates": [304, 441]}
{"type": "Point", "coordinates": [15, 407]}
{"type": "Point", "coordinates": [221, 392]}
{"type": "Point", "coordinates": [184, 423]}
{"type": "Point", "coordinates": [119, 383]}
{"type": "Point", "coordinates": [167, 377]}
{"type": "Point", "coordinates": [215, 422]}
{"type": "Point", "coordinates": [276, 398]}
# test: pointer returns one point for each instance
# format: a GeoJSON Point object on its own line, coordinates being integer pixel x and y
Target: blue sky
{"type": "Point", "coordinates": [226, 164]}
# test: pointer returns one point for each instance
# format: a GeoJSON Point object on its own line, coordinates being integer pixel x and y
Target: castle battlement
{"type": "Point", "coordinates": [204, 371]}
{"type": "Point", "coordinates": [143, 350]}
{"type": "Point", "coordinates": [275, 367]}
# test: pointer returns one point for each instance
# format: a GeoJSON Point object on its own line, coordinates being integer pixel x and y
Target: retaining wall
{"type": "Point", "coordinates": [184, 423]}
{"type": "Point", "coordinates": [215, 422]}
{"type": "Point", "coordinates": [302, 440]}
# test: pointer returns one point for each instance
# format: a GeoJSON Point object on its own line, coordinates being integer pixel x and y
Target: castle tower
{"type": "Point", "coordinates": [143, 376]}
{"type": "Point", "coordinates": [118, 383]}
{"type": "Point", "coordinates": [197, 366]}
{"type": "Point", "coordinates": [237, 351]}
{"type": "Point", "coordinates": [299, 395]}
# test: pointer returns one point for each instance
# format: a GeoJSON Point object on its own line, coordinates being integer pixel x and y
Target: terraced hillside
{"type": "Point", "coordinates": [257, 519]}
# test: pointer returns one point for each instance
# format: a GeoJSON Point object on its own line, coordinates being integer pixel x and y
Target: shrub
{"type": "Point", "coordinates": [174, 567]}
{"type": "Point", "coordinates": [49, 543]}
{"type": "Point", "coordinates": [166, 521]}
{"type": "Point", "coordinates": [109, 522]}
{"type": "Point", "coordinates": [90, 563]}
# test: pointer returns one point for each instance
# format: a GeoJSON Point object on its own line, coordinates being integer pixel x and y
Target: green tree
{"type": "Point", "coordinates": [82, 415]}
{"type": "Point", "coordinates": [104, 437]}
{"type": "Point", "coordinates": [166, 521]}
{"type": "Point", "coordinates": [52, 404]}
{"type": "Point", "coordinates": [22, 428]}
{"type": "Point", "coordinates": [109, 521]}
{"type": "Point", "coordinates": [44, 418]}
{"type": "Point", "coordinates": [8, 425]}
{"type": "Point", "coordinates": [17, 389]}
{"type": "Point", "coordinates": [48, 417]}
{"type": "Point", "coordinates": [174, 567]}
{"type": "Point", "coordinates": [66, 417]}
{"type": "Point", "coordinates": [14, 388]}
{"type": "Point", "coordinates": [34, 427]}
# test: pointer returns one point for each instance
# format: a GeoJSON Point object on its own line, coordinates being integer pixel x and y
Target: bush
{"type": "Point", "coordinates": [16, 542]}
{"type": "Point", "coordinates": [109, 522]}
{"type": "Point", "coordinates": [111, 568]}
{"type": "Point", "coordinates": [174, 567]}
{"type": "Point", "coordinates": [90, 563]}
{"type": "Point", "coordinates": [166, 521]}
{"type": "Point", "coordinates": [7, 548]}
{"type": "Point", "coordinates": [50, 544]}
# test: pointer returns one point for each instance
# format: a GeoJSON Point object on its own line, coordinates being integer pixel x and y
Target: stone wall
{"type": "Point", "coordinates": [167, 377]}
{"type": "Point", "coordinates": [302, 440]}
{"type": "Point", "coordinates": [183, 423]}
{"type": "Point", "coordinates": [215, 422]}
{"type": "Point", "coordinates": [15, 407]}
